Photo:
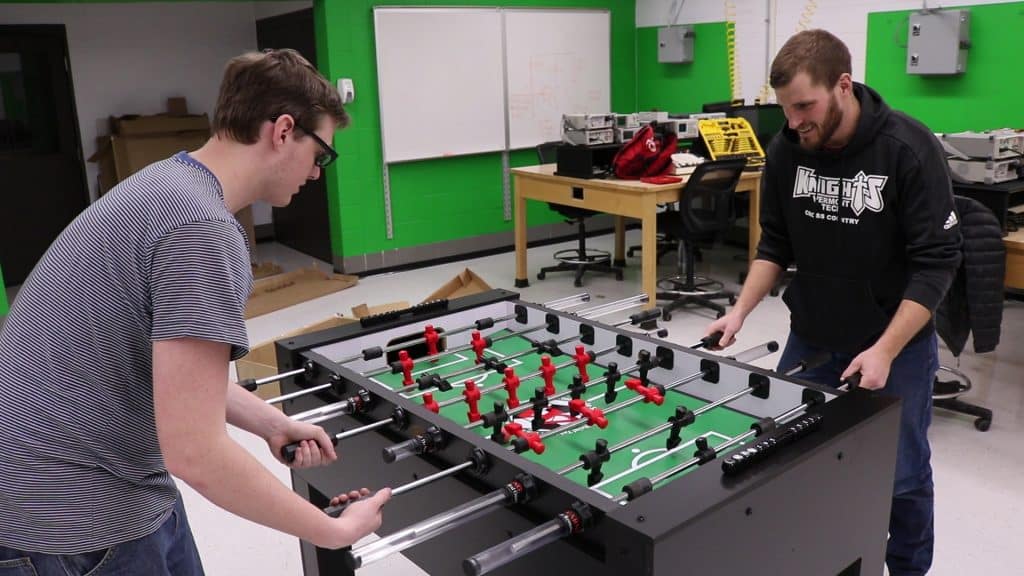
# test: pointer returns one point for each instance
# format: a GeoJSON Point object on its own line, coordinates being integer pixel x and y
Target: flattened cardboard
{"type": "Point", "coordinates": [284, 290]}
{"type": "Point", "coordinates": [465, 283]}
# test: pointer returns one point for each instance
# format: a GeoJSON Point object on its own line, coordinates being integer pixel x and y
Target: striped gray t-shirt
{"type": "Point", "coordinates": [157, 258]}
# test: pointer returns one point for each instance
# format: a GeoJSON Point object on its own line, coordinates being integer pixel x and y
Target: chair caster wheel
{"type": "Point", "coordinates": [732, 300]}
{"type": "Point", "coordinates": [719, 315]}
{"type": "Point", "coordinates": [982, 424]}
{"type": "Point", "coordinates": [774, 292]}
{"type": "Point", "coordinates": [540, 276]}
{"type": "Point", "coordinates": [666, 316]}
{"type": "Point", "coordinates": [578, 283]}
{"type": "Point", "coordinates": [618, 276]}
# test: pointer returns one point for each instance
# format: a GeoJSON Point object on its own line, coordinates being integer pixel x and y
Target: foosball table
{"type": "Point", "coordinates": [521, 438]}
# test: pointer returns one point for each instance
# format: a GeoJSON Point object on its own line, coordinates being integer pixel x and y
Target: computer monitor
{"type": "Point", "coordinates": [766, 120]}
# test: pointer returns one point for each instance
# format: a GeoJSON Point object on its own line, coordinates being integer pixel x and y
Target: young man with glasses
{"type": "Point", "coordinates": [114, 357]}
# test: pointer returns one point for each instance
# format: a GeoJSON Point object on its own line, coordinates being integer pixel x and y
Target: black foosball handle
{"type": "Point", "coordinates": [709, 341]}
{"type": "Point", "coordinates": [288, 450]}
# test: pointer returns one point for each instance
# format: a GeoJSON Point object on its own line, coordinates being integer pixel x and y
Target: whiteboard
{"type": "Point", "coordinates": [558, 62]}
{"type": "Point", "coordinates": [440, 76]}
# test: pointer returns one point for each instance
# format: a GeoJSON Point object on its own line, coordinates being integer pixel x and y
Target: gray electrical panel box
{"type": "Point", "coordinates": [675, 44]}
{"type": "Point", "coordinates": [937, 42]}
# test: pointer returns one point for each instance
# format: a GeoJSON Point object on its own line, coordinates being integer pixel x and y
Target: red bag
{"type": "Point", "coordinates": [646, 154]}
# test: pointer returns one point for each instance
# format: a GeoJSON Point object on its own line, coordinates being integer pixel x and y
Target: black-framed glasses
{"type": "Point", "coordinates": [325, 158]}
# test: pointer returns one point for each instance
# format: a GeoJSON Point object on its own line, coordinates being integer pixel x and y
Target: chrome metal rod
{"type": "Point", "coordinates": [426, 529]}
{"type": "Point", "coordinates": [477, 370]}
{"type": "Point", "coordinates": [516, 547]}
{"type": "Point", "coordinates": [568, 301]}
{"type": "Point", "coordinates": [524, 378]}
{"type": "Point", "coordinates": [630, 301]}
{"type": "Point", "coordinates": [299, 393]}
{"type": "Point", "coordinates": [267, 380]}
{"type": "Point", "coordinates": [321, 411]}
{"type": "Point", "coordinates": [781, 418]}
{"type": "Point", "coordinates": [659, 429]}
{"type": "Point", "coordinates": [417, 341]}
{"type": "Point", "coordinates": [338, 509]}
{"type": "Point", "coordinates": [751, 354]}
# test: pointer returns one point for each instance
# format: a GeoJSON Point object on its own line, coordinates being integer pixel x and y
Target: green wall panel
{"type": "Point", "coordinates": [683, 88]}
{"type": "Point", "coordinates": [439, 199]}
{"type": "Point", "coordinates": [987, 96]}
{"type": "Point", "coordinates": [3, 295]}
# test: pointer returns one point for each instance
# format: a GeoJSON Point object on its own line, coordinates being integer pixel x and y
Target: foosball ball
{"type": "Point", "coordinates": [522, 438]}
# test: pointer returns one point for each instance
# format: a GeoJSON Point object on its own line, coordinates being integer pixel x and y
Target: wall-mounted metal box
{"type": "Point", "coordinates": [675, 44]}
{"type": "Point", "coordinates": [937, 42]}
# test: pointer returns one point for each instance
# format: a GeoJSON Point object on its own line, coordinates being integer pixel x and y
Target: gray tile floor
{"type": "Point", "coordinates": [978, 475]}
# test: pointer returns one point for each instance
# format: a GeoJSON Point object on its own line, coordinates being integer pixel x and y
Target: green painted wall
{"type": "Point", "coordinates": [683, 88]}
{"type": "Point", "coordinates": [439, 199]}
{"type": "Point", "coordinates": [3, 295]}
{"type": "Point", "coordinates": [987, 96]}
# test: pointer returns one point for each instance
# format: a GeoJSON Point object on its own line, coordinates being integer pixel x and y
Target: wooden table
{"type": "Point", "coordinates": [1014, 242]}
{"type": "Point", "coordinates": [622, 198]}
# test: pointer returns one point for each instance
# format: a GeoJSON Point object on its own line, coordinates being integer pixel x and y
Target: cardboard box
{"type": "Point", "coordinates": [284, 290]}
{"type": "Point", "coordinates": [466, 283]}
{"type": "Point", "coordinates": [136, 125]}
{"type": "Point", "coordinates": [364, 310]}
{"type": "Point", "coordinates": [261, 361]}
{"type": "Point", "coordinates": [119, 156]}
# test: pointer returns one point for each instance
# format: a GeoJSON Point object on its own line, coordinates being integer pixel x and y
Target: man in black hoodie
{"type": "Point", "coordinates": [858, 196]}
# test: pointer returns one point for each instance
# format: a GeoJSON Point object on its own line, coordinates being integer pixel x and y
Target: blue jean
{"type": "Point", "coordinates": [911, 377]}
{"type": "Point", "coordinates": [169, 551]}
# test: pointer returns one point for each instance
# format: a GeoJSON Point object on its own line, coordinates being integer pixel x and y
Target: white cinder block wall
{"type": "Point", "coordinates": [762, 26]}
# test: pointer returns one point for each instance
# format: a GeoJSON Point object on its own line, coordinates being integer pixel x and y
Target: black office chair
{"type": "Point", "coordinates": [580, 259]}
{"type": "Point", "coordinates": [705, 211]}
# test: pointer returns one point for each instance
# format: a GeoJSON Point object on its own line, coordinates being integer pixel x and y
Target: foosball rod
{"type": "Point", "coordinates": [254, 383]}
{"type": "Point", "coordinates": [525, 377]}
{"type": "Point", "coordinates": [765, 348]}
{"type": "Point", "coordinates": [634, 319]}
{"type": "Point", "coordinates": [568, 301]}
{"type": "Point", "coordinates": [520, 490]}
{"type": "Point", "coordinates": [480, 324]}
{"type": "Point", "coordinates": [574, 520]}
{"type": "Point", "coordinates": [589, 314]}
{"type": "Point", "coordinates": [706, 341]}
{"type": "Point", "coordinates": [477, 370]}
{"type": "Point", "coordinates": [478, 460]}
{"type": "Point", "coordinates": [398, 417]}
{"type": "Point", "coordinates": [705, 408]}
{"type": "Point", "coordinates": [646, 485]}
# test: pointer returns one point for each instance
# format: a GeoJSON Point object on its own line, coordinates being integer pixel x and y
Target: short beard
{"type": "Point", "coordinates": [833, 117]}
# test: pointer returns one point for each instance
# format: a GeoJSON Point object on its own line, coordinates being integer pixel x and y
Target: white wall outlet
{"type": "Point", "coordinates": [347, 90]}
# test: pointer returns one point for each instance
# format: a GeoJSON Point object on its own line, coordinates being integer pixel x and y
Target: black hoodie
{"type": "Point", "coordinates": [867, 226]}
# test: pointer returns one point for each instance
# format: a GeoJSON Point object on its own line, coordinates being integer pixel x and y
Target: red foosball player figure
{"type": "Point", "coordinates": [649, 393]}
{"type": "Point", "coordinates": [511, 384]}
{"type": "Point", "coordinates": [479, 345]}
{"type": "Point", "coordinates": [547, 371]}
{"type": "Point", "coordinates": [593, 415]}
{"type": "Point", "coordinates": [430, 404]}
{"type": "Point", "coordinates": [472, 396]}
{"type": "Point", "coordinates": [582, 359]}
{"type": "Point", "coordinates": [407, 364]}
{"type": "Point", "coordinates": [526, 440]}
{"type": "Point", "coordinates": [430, 337]}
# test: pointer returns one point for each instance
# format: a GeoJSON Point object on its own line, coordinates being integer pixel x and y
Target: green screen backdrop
{"type": "Point", "coordinates": [987, 96]}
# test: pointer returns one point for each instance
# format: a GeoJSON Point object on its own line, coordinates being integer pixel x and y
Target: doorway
{"type": "Point", "coordinates": [43, 187]}
{"type": "Point", "coordinates": [304, 224]}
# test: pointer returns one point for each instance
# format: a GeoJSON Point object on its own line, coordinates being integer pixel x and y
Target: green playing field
{"type": "Point", "coordinates": [564, 450]}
